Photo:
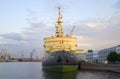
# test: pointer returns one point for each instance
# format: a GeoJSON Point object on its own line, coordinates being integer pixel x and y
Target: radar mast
{"type": "Point", "coordinates": [59, 30]}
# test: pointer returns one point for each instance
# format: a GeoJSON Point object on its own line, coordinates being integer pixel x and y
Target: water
{"type": "Point", "coordinates": [33, 70]}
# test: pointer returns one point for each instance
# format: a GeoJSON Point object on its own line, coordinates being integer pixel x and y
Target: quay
{"type": "Point", "coordinates": [102, 67]}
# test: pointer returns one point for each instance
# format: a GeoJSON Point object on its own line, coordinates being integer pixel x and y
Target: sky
{"type": "Point", "coordinates": [25, 23]}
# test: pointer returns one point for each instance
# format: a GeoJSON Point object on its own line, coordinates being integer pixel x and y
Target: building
{"type": "Point", "coordinates": [104, 53]}
{"type": "Point", "coordinates": [89, 56]}
{"type": "Point", "coordinates": [118, 49]}
{"type": "Point", "coordinates": [95, 56]}
{"type": "Point", "coordinates": [81, 54]}
{"type": "Point", "coordinates": [27, 59]}
{"type": "Point", "coordinates": [1, 60]}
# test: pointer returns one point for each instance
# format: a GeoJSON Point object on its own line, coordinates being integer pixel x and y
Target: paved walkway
{"type": "Point", "coordinates": [108, 67]}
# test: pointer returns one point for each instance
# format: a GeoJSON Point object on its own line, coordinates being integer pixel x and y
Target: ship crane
{"type": "Point", "coordinates": [71, 32]}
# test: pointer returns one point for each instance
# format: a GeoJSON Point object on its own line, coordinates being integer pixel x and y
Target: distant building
{"type": "Point", "coordinates": [78, 52]}
{"type": "Point", "coordinates": [81, 54]}
{"type": "Point", "coordinates": [92, 56]}
{"type": "Point", "coordinates": [95, 56]}
{"type": "Point", "coordinates": [27, 59]}
{"type": "Point", "coordinates": [89, 56]}
{"type": "Point", "coordinates": [1, 60]}
{"type": "Point", "coordinates": [104, 53]}
{"type": "Point", "coordinates": [118, 49]}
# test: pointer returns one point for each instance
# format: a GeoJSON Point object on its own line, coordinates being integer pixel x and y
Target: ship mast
{"type": "Point", "coordinates": [59, 30]}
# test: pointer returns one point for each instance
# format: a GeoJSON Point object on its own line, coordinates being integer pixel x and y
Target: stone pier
{"type": "Point", "coordinates": [103, 67]}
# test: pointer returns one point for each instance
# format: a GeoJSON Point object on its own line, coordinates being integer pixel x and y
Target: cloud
{"type": "Point", "coordinates": [35, 26]}
{"type": "Point", "coordinates": [91, 34]}
{"type": "Point", "coordinates": [114, 19]}
{"type": "Point", "coordinates": [30, 38]}
{"type": "Point", "coordinates": [96, 25]}
{"type": "Point", "coordinates": [14, 36]}
{"type": "Point", "coordinates": [83, 42]}
{"type": "Point", "coordinates": [98, 33]}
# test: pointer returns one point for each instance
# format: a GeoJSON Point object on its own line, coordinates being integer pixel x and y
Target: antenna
{"type": "Point", "coordinates": [59, 30]}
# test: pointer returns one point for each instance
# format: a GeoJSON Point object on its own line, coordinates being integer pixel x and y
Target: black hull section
{"type": "Point", "coordinates": [60, 58]}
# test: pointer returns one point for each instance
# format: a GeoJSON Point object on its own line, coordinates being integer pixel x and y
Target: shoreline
{"type": "Point", "coordinates": [101, 67]}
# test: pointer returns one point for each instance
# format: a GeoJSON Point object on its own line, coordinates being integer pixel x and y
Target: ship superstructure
{"type": "Point", "coordinates": [60, 41]}
{"type": "Point", "coordinates": [60, 50]}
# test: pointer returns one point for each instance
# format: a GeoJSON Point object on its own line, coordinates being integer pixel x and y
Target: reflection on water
{"type": "Point", "coordinates": [57, 75]}
{"type": "Point", "coordinates": [97, 75]}
{"type": "Point", "coordinates": [33, 70]}
{"type": "Point", "coordinates": [83, 74]}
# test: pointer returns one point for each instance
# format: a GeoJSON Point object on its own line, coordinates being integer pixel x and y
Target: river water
{"type": "Point", "coordinates": [33, 70]}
